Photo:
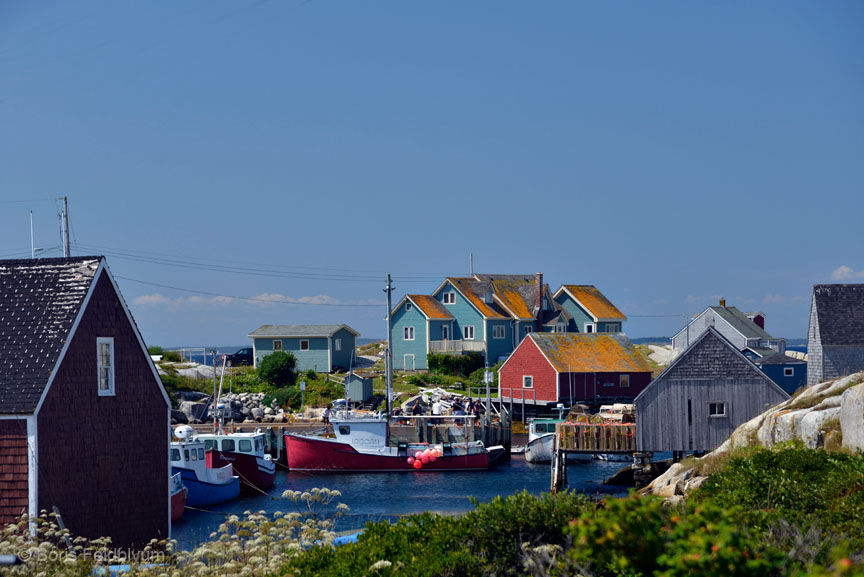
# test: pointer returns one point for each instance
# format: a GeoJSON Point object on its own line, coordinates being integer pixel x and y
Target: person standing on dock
{"type": "Point", "coordinates": [416, 410]}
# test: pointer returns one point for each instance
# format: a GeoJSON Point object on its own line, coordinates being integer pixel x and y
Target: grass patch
{"type": "Point", "coordinates": [656, 368]}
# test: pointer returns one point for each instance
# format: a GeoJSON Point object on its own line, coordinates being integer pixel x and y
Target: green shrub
{"type": "Point", "coordinates": [311, 375]}
{"type": "Point", "coordinates": [278, 369]}
{"type": "Point", "coordinates": [171, 357]}
{"type": "Point", "coordinates": [155, 350]}
{"type": "Point", "coordinates": [288, 398]}
{"type": "Point", "coordinates": [456, 365]}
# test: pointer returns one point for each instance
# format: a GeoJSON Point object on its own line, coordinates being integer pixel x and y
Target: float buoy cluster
{"type": "Point", "coordinates": [424, 457]}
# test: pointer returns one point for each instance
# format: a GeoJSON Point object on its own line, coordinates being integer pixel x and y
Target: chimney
{"type": "Point", "coordinates": [538, 300]}
{"type": "Point", "coordinates": [722, 302]}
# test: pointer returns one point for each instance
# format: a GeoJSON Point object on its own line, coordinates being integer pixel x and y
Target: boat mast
{"type": "Point", "coordinates": [388, 359]}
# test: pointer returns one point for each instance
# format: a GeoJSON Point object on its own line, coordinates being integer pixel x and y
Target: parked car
{"type": "Point", "coordinates": [241, 357]}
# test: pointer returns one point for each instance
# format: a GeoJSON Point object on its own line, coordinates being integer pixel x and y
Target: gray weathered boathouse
{"type": "Point", "coordinates": [835, 339]}
{"type": "Point", "coordinates": [702, 397]}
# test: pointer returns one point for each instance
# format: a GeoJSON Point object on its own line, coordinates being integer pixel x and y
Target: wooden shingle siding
{"type": "Point", "coordinates": [814, 347]}
{"type": "Point", "coordinates": [13, 470]}
{"type": "Point", "coordinates": [672, 414]}
{"type": "Point", "coordinates": [104, 459]}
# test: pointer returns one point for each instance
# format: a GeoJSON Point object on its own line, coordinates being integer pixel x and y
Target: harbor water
{"type": "Point", "coordinates": [388, 496]}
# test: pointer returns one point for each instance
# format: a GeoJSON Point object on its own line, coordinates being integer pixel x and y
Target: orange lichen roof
{"type": "Point", "coordinates": [591, 353]}
{"type": "Point", "coordinates": [594, 300]}
{"type": "Point", "coordinates": [464, 287]}
{"type": "Point", "coordinates": [507, 289]}
{"type": "Point", "coordinates": [430, 307]}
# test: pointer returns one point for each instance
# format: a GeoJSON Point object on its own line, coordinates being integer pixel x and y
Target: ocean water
{"type": "Point", "coordinates": [388, 496]}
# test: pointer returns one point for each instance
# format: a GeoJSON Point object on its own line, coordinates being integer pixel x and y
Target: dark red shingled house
{"type": "Point", "coordinates": [84, 418]}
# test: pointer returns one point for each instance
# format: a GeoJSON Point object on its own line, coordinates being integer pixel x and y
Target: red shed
{"type": "Point", "coordinates": [574, 367]}
{"type": "Point", "coordinates": [84, 418]}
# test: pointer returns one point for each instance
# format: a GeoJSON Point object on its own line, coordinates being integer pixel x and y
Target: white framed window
{"type": "Point", "coordinates": [613, 328]}
{"type": "Point", "coordinates": [498, 332]}
{"type": "Point", "coordinates": [277, 346]}
{"type": "Point", "coordinates": [449, 298]}
{"type": "Point", "coordinates": [788, 372]}
{"type": "Point", "coordinates": [527, 382]}
{"type": "Point", "coordinates": [716, 409]}
{"type": "Point", "coordinates": [408, 307]}
{"type": "Point", "coordinates": [445, 333]}
{"type": "Point", "coordinates": [624, 381]}
{"type": "Point", "coordinates": [589, 327]}
{"type": "Point", "coordinates": [407, 333]}
{"type": "Point", "coordinates": [560, 328]}
{"type": "Point", "coordinates": [529, 329]}
{"type": "Point", "coordinates": [304, 344]}
{"type": "Point", "coordinates": [337, 344]}
{"type": "Point", "coordinates": [105, 363]}
{"type": "Point", "coordinates": [468, 332]}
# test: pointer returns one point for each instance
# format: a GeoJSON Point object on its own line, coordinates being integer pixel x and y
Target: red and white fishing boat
{"type": "Point", "coordinates": [360, 444]}
{"type": "Point", "coordinates": [246, 452]}
{"type": "Point", "coordinates": [178, 492]}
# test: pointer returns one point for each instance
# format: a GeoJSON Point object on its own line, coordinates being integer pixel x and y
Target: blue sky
{"type": "Point", "coordinates": [668, 153]}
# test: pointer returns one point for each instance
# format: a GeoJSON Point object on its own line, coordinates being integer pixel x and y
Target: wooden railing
{"type": "Point", "coordinates": [456, 346]}
{"type": "Point", "coordinates": [596, 438]}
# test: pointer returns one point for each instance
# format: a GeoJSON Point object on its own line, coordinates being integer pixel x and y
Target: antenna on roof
{"type": "Point", "coordinates": [471, 262]}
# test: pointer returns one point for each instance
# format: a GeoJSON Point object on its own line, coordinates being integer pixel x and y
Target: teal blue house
{"type": "Point", "coordinates": [590, 311]}
{"type": "Point", "coordinates": [322, 348]}
{"type": "Point", "coordinates": [486, 314]}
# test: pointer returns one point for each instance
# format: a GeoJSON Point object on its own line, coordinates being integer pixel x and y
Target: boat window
{"type": "Point", "coordinates": [227, 444]}
{"type": "Point", "coordinates": [245, 445]}
{"type": "Point", "coordinates": [210, 444]}
{"type": "Point", "coordinates": [540, 427]}
{"type": "Point", "coordinates": [175, 454]}
{"type": "Point", "coordinates": [194, 455]}
{"type": "Point", "coordinates": [344, 430]}
{"type": "Point", "coordinates": [259, 444]}
{"type": "Point", "coordinates": [201, 453]}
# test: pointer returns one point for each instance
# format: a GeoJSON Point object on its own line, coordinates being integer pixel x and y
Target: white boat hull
{"type": "Point", "coordinates": [539, 450]}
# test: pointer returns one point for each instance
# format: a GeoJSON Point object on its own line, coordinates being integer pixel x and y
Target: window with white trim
{"type": "Point", "coordinates": [529, 329]}
{"type": "Point", "coordinates": [716, 409]}
{"type": "Point", "coordinates": [527, 382]}
{"type": "Point", "coordinates": [613, 327]}
{"type": "Point", "coordinates": [304, 344]}
{"type": "Point", "coordinates": [445, 333]}
{"type": "Point", "coordinates": [468, 332]}
{"type": "Point", "coordinates": [277, 346]}
{"type": "Point", "coordinates": [589, 327]}
{"type": "Point", "coordinates": [624, 381]}
{"type": "Point", "coordinates": [105, 363]}
{"type": "Point", "coordinates": [337, 344]}
{"type": "Point", "coordinates": [498, 332]}
{"type": "Point", "coordinates": [407, 333]}
{"type": "Point", "coordinates": [560, 328]}
{"type": "Point", "coordinates": [407, 307]}
{"type": "Point", "coordinates": [449, 298]}
{"type": "Point", "coordinates": [788, 372]}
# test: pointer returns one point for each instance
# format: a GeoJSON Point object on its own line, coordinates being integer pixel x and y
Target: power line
{"type": "Point", "coordinates": [248, 298]}
{"type": "Point", "coordinates": [28, 200]}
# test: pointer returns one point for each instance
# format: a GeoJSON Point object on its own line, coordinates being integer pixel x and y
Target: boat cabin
{"type": "Point", "coordinates": [357, 433]}
{"type": "Point", "coordinates": [251, 443]}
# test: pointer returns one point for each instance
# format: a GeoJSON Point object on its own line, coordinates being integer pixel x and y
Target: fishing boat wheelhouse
{"type": "Point", "coordinates": [246, 452]}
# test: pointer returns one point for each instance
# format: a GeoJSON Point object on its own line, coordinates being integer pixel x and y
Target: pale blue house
{"type": "Point", "coordinates": [322, 348]}
{"type": "Point", "coordinates": [485, 314]}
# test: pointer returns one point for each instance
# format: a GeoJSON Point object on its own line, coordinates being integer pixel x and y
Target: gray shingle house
{"type": "Point", "coordinates": [322, 348]}
{"type": "Point", "coordinates": [835, 339]}
{"type": "Point", "coordinates": [702, 397]}
{"type": "Point", "coordinates": [743, 330]}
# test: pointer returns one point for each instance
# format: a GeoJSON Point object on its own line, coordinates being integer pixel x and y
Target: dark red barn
{"type": "Point", "coordinates": [574, 368]}
{"type": "Point", "coordinates": [84, 419]}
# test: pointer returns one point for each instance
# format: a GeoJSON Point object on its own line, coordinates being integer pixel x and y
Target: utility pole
{"type": "Point", "coordinates": [65, 225]}
{"type": "Point", "coordinates": [388, 358]}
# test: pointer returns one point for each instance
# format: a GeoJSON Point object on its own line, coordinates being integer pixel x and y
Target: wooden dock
{"type": "Point", "coordinates": [593, 438]}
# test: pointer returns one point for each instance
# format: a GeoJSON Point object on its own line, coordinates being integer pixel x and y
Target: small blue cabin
{"type": "Point", "coordinates": [322, 348]}
{"type": "Point", "coordinates": [788, 372]}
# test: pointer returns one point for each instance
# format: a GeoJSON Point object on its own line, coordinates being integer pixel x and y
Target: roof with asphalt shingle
{"type": "Point", "coordinates": [741, 323]}
{"type": "Point", "coordinates": [595, 301]}
{"type": "Point", "coordinates": [39, 302]}
{"type": "Point", "coordinates": [840, 313]}
{"type": "Point", "coordinates": [430, 306]}
{"type": "Point", "coordinates": [289, 331]}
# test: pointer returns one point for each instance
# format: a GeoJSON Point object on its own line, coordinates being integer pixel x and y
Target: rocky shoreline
{"type": "Point", "coordinates": [196, 408]}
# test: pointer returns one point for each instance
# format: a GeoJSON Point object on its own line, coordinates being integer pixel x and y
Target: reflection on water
{"type": "Point", "coordinates": [386, 496]}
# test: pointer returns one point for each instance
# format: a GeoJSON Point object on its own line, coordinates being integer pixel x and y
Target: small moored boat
{"type": "Point", "coordinates": [205, 485]}
{"type": "Point", "coordinates": [246, 452]}
{"type": "Point", "coordinates": [541, 442]}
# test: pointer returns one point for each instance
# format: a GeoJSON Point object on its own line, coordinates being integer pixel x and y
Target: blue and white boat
{"type": "Point", "coordinates": [205, 485]}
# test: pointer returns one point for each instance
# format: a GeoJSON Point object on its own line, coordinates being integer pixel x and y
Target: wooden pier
{"type": "Point", "coordinates": [593, 438]}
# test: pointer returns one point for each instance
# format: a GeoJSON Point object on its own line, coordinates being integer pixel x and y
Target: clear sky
{"type": "Point", "coordinates": [667, 152]}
